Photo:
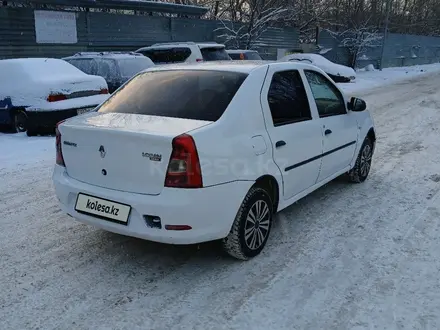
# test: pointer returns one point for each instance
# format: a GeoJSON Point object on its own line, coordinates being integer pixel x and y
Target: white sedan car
{"type": "Point", "coordinates": [193, 153]}
{"type": "Point", "coordinates": [36, 93]}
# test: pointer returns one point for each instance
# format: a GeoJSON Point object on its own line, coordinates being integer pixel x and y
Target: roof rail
{"type": "Point", "coordinates": [173, 43]}
{"type": "Point", "coordinates": [108, 53]}
{"type": "Point", "coordinates": [86, 53]}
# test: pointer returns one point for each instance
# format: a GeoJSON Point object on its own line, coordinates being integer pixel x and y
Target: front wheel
{"type": "Point", "coordinates": [251, 227]}
{"type": "Point", "coordinates": [361, 169]}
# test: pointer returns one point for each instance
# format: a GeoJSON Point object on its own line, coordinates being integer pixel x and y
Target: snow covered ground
{"type": "Point", "coordinates": [372, 79]}
{"type": "Point", "coordinates": [346, 257]}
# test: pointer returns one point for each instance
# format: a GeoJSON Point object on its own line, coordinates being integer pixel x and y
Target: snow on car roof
{"type": "Point", "coordinates": [234, 66]}
{"type": "Point", "coordinates": [188, 43]}
{"type": "Point", "coordinates": [104, 55]}
{"type": "Point", "coordinates": [321, 62]}
{"type": "Point", "coordinates": [38, 67]}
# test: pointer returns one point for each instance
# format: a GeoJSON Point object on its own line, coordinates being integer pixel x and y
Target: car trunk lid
{"type": "Point", "coordinates": [126, 152]}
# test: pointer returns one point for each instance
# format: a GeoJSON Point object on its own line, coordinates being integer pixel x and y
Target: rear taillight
{"type": "Point", "coordinates": [56, 97]}
{"type": "Point", "coordinates": [184, 166]}
{"type": "Point", "coordinates": [104, 91]}
{"type": "Point", "coordinates": [59, 156]}
{"type": "Point", "coordinates": [199, 60]}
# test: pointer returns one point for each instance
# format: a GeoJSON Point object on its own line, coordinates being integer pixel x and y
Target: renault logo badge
{"type": "Point", "coordinates": [102, 151]}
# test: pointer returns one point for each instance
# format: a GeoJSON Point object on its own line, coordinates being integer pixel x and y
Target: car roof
{"type": "Point", "coordinates": [183, 43]}
{"type": "Point", "coordinates": [232, 66]}
{"type": "Point", "coordinates": [29, 60]}
{"type": "Point", "coordinates": [240, 51]}
{"type": "Point", "coordinates": [107, 55]}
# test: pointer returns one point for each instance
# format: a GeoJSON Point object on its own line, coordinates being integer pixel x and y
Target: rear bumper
{"type": "Point", "coordinates": [209, 211]}
{"type": "Point", "coordinates": [48, 119]}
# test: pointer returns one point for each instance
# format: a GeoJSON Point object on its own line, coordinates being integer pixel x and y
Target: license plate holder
{"type": "Point", "coordinates": [103, 208]}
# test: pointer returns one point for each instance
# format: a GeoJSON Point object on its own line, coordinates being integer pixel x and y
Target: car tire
{"type": "Point", "coordinates": [20, 121]}
{"type": "Point", "coordinates": [361, 169]}
{"type": "Point", "coordinates": [251, 227]}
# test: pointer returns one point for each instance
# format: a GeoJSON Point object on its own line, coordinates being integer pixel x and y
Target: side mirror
{"type": "Point", "coordinates": [357, 104]}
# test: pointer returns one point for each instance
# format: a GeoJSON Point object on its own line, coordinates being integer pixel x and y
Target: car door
{"type": "Point", "coordinates": [339, 127]}
{"type": "Point", "coordinates": [294, 130]}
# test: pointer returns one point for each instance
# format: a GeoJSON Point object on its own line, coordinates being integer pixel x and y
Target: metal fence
{"type": "Point", "coordinates": [99, 31]}
{"type": "Point", "coordinates": [400, 50]}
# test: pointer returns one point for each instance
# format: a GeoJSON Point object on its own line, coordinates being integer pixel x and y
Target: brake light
{"type": "Point", "coordinates": [184, 166]}
{"type": "Point", "coordinates": [199, 60]}
{"type": "Point", "coordinates": [56, 97]}
{"type": "Point", "coordinates": [104, 91]}
{"type": "Point", "coordinates": [59, 152]}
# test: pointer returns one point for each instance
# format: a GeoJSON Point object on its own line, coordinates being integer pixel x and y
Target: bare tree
{"type": "Point", "coordinates": [247, 35]}
{"type": "Point", "coordinates": [357, 39]}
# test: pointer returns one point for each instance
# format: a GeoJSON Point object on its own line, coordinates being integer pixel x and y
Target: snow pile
{"type": "Point", "coordinates": [321, 62]}
{"type": "Point", "coordinates": [367, 79]}
{"type": "Point", "coordinates": [29, 81]}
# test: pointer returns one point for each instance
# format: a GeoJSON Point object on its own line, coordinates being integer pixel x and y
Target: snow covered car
{"type": "Point", "coordinates": [338, 72]}
{"type": "Point", "coordinates": [36, 93]}
{"type": "Point", "coordinates": [209, 158]}
{"type": "Point", "coordinates": [115, 67]}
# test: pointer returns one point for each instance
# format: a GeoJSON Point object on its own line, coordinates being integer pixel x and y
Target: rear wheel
{"type": "Point", "coordinates": [20, 121]}
{"type": "Point", "coordinates": [251, 227]}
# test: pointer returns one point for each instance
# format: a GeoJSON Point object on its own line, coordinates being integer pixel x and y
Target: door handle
{"type": "Point", "coordinates": [280, 144]}
{"type": "Point", "coordinates": [327, 132]}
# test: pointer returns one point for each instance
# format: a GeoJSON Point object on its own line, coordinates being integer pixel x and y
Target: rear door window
{"type": "Point", "coordinates": [287, 98]}
{"type": "Point", "coordinates": [167, 55]}
{"type": "Point", "coordinates": [215, 54]}
{"type": "Point", "coordinates": [189, 94]}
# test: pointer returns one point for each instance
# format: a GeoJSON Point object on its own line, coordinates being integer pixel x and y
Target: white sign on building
{"type": "Point", "coordinates": [55, 27]}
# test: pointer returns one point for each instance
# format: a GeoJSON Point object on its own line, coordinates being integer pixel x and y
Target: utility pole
{"type": "Point", "coordinates": [385, 32]}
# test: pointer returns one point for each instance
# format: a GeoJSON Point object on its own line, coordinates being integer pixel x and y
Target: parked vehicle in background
{"type": "Point", "coordinates": [197, 152]}
{"type": "Point", "coordinates": [185, 52]}
{"type": "Point", "coordinates": [36, 93]}
{"type": "Point", "coordinates": [242, 54]}
{"type": "Point", "coordinates": [115, 67]}
{"type": "Point", "coordinates": [338, 72]}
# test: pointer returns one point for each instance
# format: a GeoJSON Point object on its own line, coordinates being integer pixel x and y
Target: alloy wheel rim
{"type": "Point", "coordinates": [365, 160]}
{"type": "Point", "coordinates": [257, 225]}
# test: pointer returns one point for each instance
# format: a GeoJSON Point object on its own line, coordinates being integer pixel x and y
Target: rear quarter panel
{"type": "Point", "coordinates": [237, 147]}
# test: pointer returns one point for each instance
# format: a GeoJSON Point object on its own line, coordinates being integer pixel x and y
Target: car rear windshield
{"type": "Point", "coordinates": [188, 94]}
{"type": "Point", "coordinates": [167, 55]}
{"type": "Point", "coordinates": [215, 54]}
{"type": "Point", "coordinates": [253, 56]}
{"type": "Point", "coordinates": [235, 56]}
{"type": "Point", "coordinates": [86, 65]}
{"type": "Point", "coordinates": [130, 66]}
